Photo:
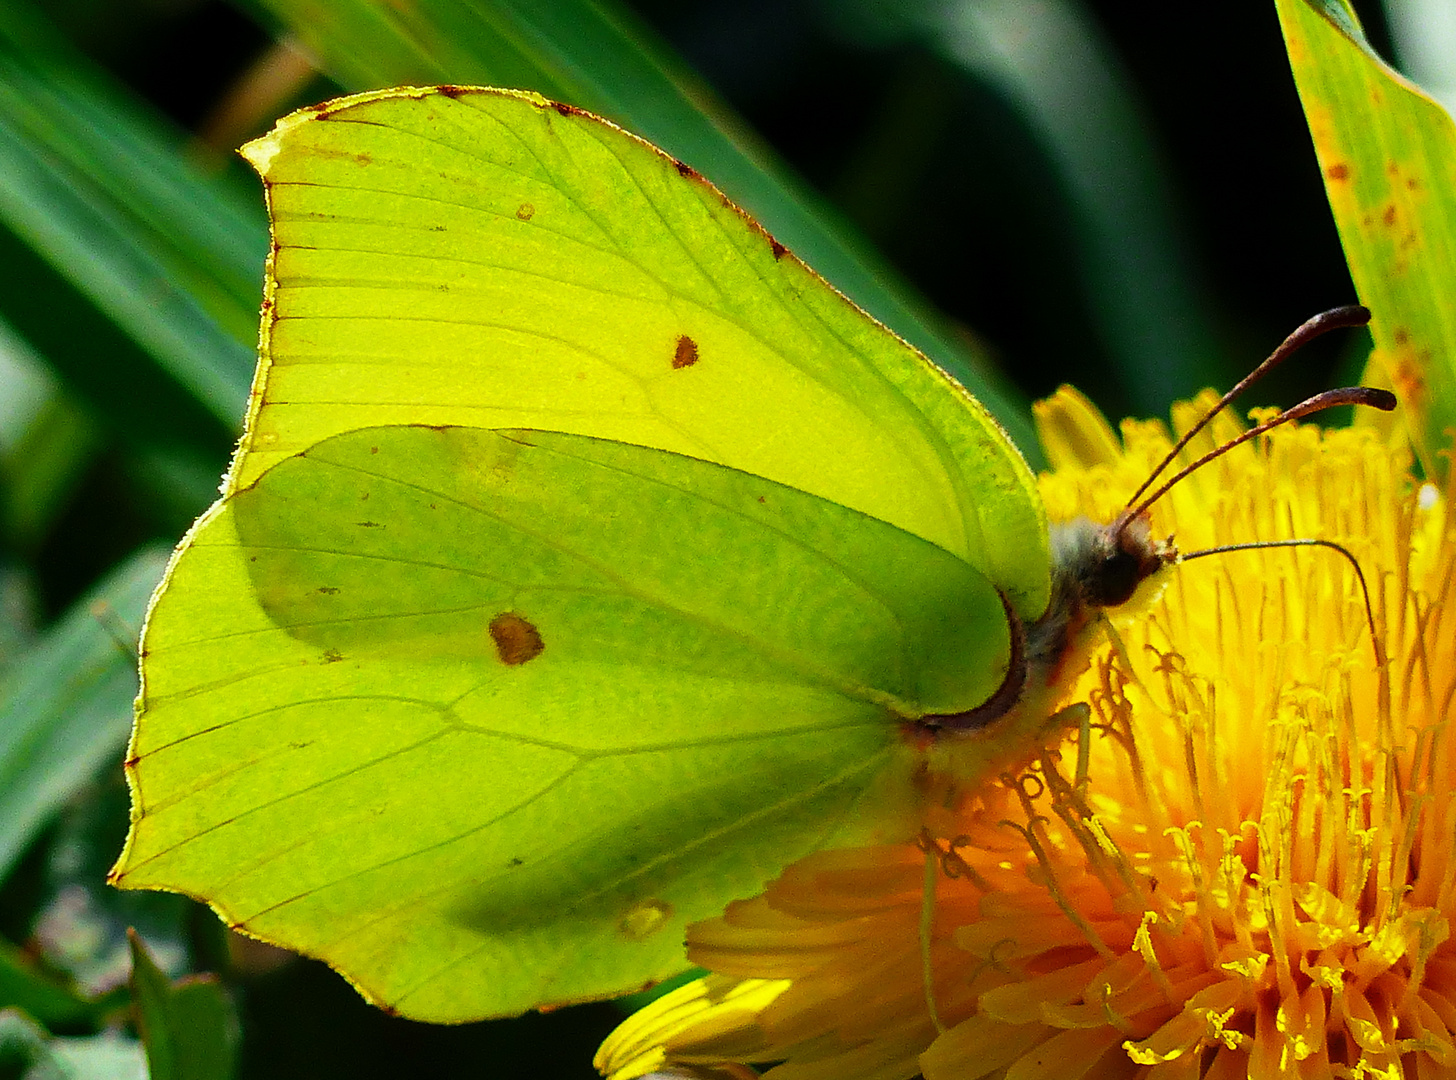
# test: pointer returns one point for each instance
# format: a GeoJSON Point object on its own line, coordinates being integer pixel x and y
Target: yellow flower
{"type": "Point", "coordinates": [1241, 865]}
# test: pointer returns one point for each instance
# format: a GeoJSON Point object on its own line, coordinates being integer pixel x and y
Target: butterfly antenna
{"type": "Point", "coordinates": [1383, 400]}
{"type": "Point", "coordinates": [1335, 318]}
{"type": "Point", "coordinates": [1254, 545]}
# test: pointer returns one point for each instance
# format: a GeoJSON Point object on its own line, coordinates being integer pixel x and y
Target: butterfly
{"type": "Point", "coordinates": [586, 559]}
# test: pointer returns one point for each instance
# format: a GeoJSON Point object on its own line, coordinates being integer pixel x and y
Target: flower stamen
{"type": "Point", "coordinates": [1240, 862]}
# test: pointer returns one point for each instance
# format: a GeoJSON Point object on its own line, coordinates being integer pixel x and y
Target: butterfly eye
{"type": "Point", "coordinates": [1117, 579]}
{"type": "Point", "coordinates": [1121, 556]}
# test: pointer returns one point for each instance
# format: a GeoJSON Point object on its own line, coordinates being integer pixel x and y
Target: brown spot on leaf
{"type": "Point", "coordinates": [1338, 171]}
{"type": "Point", "coordinates": [525, 211]}
{"type": "Point", "coordinates": [369, 524]}
{"type": "Point", "coordinates": [328, 590]}
{"type": "Point", "coordinates": [516, 639]}
{"type": "Point", "coordinates": [331, 656]}
{"type": "Point", "coordinates": [1413, 184]}
{"type": "Point", "coordinates": [779, 251]}
{"type": "Point", "coordinates": [374, 449]}
{"type": "Point", "coordinates": [1388, 216]}
{"type": "Point", "coordinates": [685, 170]}
{"type": "Point", "coordinates": [452, 92]}
{"type": "Point", "coordinates": [686, 353]}
{"type": "Point", "coordinates": [1402, 335]}
{"type": "Point", "coordinates": [1409, 381]}
{"type": "Point", "coordinates": [564, 109]}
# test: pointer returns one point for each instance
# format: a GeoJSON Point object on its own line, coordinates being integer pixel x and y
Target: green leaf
{"type": "Point", "coordinates": [26, 1052]}
{"type": "Point", "coordinates": [67, 702]}
{"type": "Point", "coordinates": [1388, 155]}
{"type": "Point", "coordinates": [127, 267]}
{"type": "Point", "coordinates": [188, 1027]}
{"type": "Point", "coordinates": [21, 1042]}
{"type": "Point", "coordinates": [41, 997]}
{"type": "Point", "coordinates": [599, 57]}
{"type": "Point", "coordinates": [45, 442]}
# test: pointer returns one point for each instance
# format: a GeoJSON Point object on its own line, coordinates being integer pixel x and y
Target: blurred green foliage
{"type": "Point", "coordinates": [1031, 193]}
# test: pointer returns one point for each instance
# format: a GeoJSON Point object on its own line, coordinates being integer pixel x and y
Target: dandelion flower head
{"type": "Point", "coordinates": [1240, 865]}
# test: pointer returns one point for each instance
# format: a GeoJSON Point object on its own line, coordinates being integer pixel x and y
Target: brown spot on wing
{"type": "Point", "coordinates": [686, 353]}
{"type": "Point", "coordinates": [516, 639]}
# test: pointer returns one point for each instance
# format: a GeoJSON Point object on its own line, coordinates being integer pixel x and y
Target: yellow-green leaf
{"type": "Point", "coordinates": [1388, 155]}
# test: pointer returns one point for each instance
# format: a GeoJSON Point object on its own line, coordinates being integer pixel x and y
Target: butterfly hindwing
{"type": "Point", "coordinates": [469, 707]}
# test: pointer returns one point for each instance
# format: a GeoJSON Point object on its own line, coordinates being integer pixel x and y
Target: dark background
{"type": "Point", "coordinates": [978, 220]}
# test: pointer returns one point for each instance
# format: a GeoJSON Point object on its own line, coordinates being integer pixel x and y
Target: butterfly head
{"type": "Point", "coordinates": [1105, 564]}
